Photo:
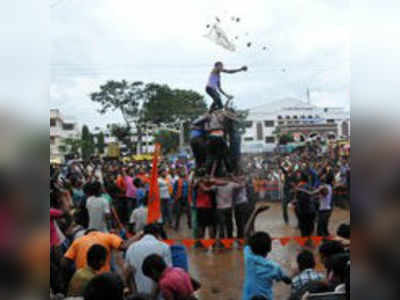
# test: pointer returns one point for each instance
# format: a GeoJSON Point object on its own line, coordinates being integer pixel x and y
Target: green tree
{"type": "Point", "coordinates": [124, 97]}
{"type": "Point", "coordinates": [72, 145]}
{"type": "Point", "coordinates": [166, 105]}
{"type": "Point", "coordinates": [100, 143]}
{"type": "Point", "coordinates": [285, 139]}
{"type": "Point", "coordinates": [88, 145]}
{"type": "Point", "coordinates": [169, 141]}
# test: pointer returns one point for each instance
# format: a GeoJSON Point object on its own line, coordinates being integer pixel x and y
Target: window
{"type": "Point", "coordinates": [287, 117]}
{"type": "Point", "coordinates": [281, 122]}
{"type": "Point", "coordinates": [269, 123]}
{"type": "Point", "coordinates": [279, 117]}
{"type": "Point", "coordinates": [52, 122]}
{"type": "Point", "coordinates": [270, 140]}
{"type": "Point", "coordinates": [52, 140]}
{"type": "Point", "coordinates": [310, 117]}
{"type": "Point", "coordinates": [330, 121]}
{"type": "Point", "coordinates": [68, 126]}
{"type": "Point", "coordinates": [290, 122]}
{"type": "Point", "coordinates": [248, 139]}
{"type": "Point", "coordinates": [295, 117]}
{"type": "Point", "coordinates": [249, 124]}
{"type": "Point", "coordinates": [303, 116]}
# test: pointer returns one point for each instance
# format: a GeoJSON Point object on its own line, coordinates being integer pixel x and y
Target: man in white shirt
{"type": "Point", "coordinates": [139, 218]}
{"type": "Point", "coordinates": [224, 198]}
{"type": "Point", "coordinates": [98, 209]}
{"type": "Point", "coordinates": [149, 244]}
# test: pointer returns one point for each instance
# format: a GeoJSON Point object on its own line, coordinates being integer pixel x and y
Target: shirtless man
{"type": "Point", "coordinates": [213, 87]}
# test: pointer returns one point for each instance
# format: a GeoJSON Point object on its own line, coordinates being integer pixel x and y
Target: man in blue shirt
{"type": "Point", "coordinates": [260, 271]}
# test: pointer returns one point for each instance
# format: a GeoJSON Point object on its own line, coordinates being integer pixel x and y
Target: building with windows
{"type": "Point", "coordinates": [61, 128]}
{"type": "Point", "coordinates": [301, 119]}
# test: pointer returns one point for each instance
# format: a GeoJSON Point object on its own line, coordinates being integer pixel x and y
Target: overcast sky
{"type": "Point", "coordinates": [162, 41]}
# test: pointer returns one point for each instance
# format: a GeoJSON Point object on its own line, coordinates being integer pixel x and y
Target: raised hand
{"type": "Point", "coordinates": [244, 68]}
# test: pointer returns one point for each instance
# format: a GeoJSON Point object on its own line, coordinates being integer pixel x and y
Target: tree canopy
{"type": "Point", "coordinates": [151, 103]}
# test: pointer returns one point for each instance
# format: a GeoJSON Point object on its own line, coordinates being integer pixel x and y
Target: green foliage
{"type": "Point", "coordinates": [100, 143]}
{"type": "Point", "coordinates": [151, 103]}
{"type": "Point", "coordinates": [88, 145]}
{"type": "Point", "coordinates": [166, 105]}
{"type": "Point", "coordinates": [169, 141]}
{"type": "Point", "coordinates": [286, 138]}
{"type": "Point", "coordinates": [120, 95]}
{"type": "Point", "coordinates": [123, 135]}
{"type": "Point", "coordinates": [71, 145]}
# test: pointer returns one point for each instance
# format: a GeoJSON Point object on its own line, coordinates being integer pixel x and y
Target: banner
{"type": "Point", "coordinates": [154, 192]}
{"type": "Point", "coordinates": [228, 243]}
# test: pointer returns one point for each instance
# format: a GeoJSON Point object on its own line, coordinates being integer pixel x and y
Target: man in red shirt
{"type": "Point", "coordinates": [173, 283]}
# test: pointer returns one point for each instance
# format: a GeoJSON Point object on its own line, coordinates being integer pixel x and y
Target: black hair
{"type": "Point", "coordinates": [90, 230]}
{"type": "Point", "coordinates": [105, 287]}
{"type": "Point", "coordinates": [330, 248]}
{"type": "Point", "coordinates": [259, 297]}
{"type": "Point", "coordinates": [137, 182]}
{"type": "Point", "coordinates": [305, 260]}
{"type": "Point", "coordinates": [304, 176]}
{"type": "Point", "coordinates": [218, 63]}
{"type": "Point", "coordinates": [96, 256]}
{"type": "Point", "coordinates": [96, 189]}
{"type": "Point", "coordinates": [344, 231]}
{"type": "Point", "coordinates": [338, 264]}
{"type": "Point", "coordinates": [153, 264]}
{"type": "Point", "coordinates": [260, 243]}
{"type": "Point", "coordinates": [152, 229]}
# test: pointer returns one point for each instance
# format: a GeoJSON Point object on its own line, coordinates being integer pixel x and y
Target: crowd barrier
{"type": "Point", "coordinates": [228, 243]}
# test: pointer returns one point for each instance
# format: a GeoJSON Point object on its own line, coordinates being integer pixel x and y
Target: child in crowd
{"type": "Point", "coordinates": [260, 271]}
{"type": "Point", "coordinates": [306, 265]}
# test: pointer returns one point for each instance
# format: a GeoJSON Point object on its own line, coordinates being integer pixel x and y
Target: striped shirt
{"type": "Point", "coordinates": [305, 277]}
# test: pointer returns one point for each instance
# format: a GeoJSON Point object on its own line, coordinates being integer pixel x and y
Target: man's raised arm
{"type": "Point", "coordinates": [244, 68]}
{"type": "Point", "coordinates": [249, 228]}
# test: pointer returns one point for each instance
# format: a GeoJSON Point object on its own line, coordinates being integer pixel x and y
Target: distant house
{"type": "Point", "coordinates": [61, 128]}
{"type": "Point", "coordinates": [296, 117]}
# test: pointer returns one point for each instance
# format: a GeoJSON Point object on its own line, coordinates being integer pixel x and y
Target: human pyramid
{"type": "Point", "coordinates": [215, 140]}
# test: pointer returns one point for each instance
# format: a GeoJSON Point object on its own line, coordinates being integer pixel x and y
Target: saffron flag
{"type": "Point", "coordinates": [154, 193]}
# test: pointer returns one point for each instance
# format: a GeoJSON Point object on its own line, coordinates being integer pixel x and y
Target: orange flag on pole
{"type": "Point", "coordinates": [154, 193]}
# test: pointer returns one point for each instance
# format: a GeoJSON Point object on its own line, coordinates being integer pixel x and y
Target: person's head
{"type": "Point", "coordinates": [330, 248]}
{"type": "Point", "coordinates": [163, 173]}
{"type": "Point", "coordinates": [337, 267]}
{"type": "Point", "coordinates": [137, 183]}
{"type": "Point", "coordinates": [104, 287]}
{"type": "Point", "coordinates": [152, 229]}
{"type": "Point", "coordinates": [303, 176]}
{"type": "Point", "coordinates": [96, 189]}
{"type": "Point", "coordinates": [219, 66]}
{"type": "Point", "coordinates": [153, 267]}
{"type": "Point", "coordinates": [260, 243]}
{"type": "Point", "coordinates": [344, 231]}
{"type": "Point", "coordinates": [305, 260]}
{"type": "Point", "coordinates": [96, 257]}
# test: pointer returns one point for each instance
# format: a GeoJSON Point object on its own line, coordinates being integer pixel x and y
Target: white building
{"type": "Point", "coordinates": [290, 115]}
{"type": "Point", "coordinates": [147, 138]}
{"type": "Point", "coordinates": [61, 128]}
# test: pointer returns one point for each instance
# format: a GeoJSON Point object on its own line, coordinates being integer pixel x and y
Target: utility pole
{"type": "Point", "coordinates": [308, 96]}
